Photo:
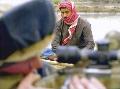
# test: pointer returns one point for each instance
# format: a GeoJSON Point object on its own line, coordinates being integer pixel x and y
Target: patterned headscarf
{"type": "Point", "coordinates": [71, 20]}
{"type": "Point", "coordinates": [69, 5]}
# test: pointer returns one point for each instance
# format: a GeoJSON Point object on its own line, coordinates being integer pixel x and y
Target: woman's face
{"type": "Point", "coordinates": [65, 12]}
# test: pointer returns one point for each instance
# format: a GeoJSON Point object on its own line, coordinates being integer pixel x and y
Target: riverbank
{"type": "Point", "coordinates": [96, 7]}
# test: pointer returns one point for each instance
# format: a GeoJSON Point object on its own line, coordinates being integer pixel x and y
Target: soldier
{"type": "Point", "coordinates": [24, 31]}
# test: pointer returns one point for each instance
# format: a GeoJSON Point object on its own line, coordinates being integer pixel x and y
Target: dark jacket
{"type": "Point", "coordinates": [82, 37]}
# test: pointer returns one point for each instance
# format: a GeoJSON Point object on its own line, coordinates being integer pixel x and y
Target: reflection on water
{"type": "Point", "coordinates": [102, 23]}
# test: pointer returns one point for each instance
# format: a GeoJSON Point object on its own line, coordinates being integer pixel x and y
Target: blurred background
{"type": "Point", "coordinates": [104, 15]}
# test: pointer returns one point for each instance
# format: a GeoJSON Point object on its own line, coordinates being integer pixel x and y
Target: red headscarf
{"type": "Point", "coordinates": [69, 5]}
{"type": "Point", "coordinates": [71, 20]}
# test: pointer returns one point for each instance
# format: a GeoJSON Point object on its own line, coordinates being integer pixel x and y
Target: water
{"type": "Point", "coordinates": [102, 23]}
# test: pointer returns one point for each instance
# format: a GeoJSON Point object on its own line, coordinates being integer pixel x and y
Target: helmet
{"type": "Point", "coordinates": [24, 29]}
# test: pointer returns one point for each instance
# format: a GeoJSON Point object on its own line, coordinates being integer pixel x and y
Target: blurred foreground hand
{"type": "Point", "coordinates": [72, 83]}
{"type": "Point", "coordinates": [83, 83]}
{"type": "Point", "coordinates": [28, 82]}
